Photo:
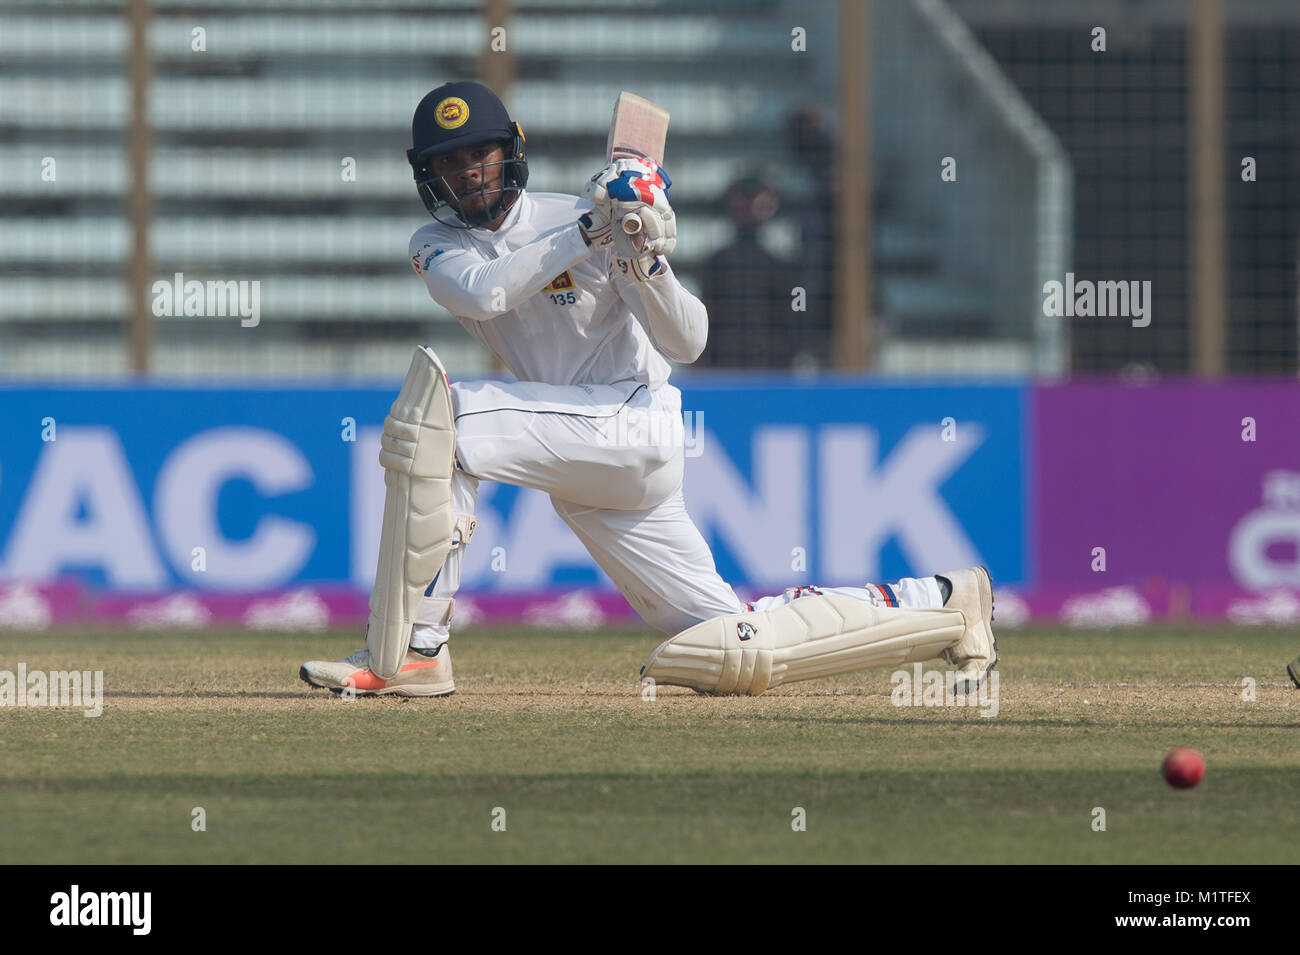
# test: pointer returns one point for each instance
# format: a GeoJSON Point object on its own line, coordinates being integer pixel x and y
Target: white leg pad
{"type": "Point", "coordinates": [814, 636]}
{"type": "Point", "coordinates": [418, 455]}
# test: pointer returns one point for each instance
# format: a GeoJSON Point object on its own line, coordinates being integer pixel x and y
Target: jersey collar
{"type": "Point", "coordinates": [513, 216]}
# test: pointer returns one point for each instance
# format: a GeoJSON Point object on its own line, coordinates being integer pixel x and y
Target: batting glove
{"type": "Point", "coordinates": [654, 232]}
{"type": "Point", "coordinates": [626, 186]}
{"type": "Point", "coordinates": [597, 227]}
{"type": "Point", "coordinates": [633, 180]}
{"type": "Point", "coordinates": [641, 269]}
{"type": "Point", "coordinates": [597, 224]}
{"type": "Point", "coordinates": [627, 180]}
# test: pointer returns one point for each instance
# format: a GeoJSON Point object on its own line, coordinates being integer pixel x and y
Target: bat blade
{"type": "Point", "coordinates": [637, 130]}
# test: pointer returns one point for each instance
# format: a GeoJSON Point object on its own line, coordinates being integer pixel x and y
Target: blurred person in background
{"type": "Point", "coordinates": [747, 290]}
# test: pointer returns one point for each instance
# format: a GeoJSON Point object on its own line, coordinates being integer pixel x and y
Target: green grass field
{"type": "Point", "coordinates": [552, 728]}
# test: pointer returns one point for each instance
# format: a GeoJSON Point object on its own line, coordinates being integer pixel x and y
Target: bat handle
{"type": "Point", "coordinates": [632, 224]}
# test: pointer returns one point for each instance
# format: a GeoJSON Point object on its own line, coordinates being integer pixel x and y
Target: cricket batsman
{"type": "Point", "coordinates": [587, 318]}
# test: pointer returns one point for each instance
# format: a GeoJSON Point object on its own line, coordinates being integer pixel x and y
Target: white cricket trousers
{"type": "Point", "coordinates": [611, 459]}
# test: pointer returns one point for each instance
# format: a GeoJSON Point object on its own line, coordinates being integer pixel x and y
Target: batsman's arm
{"type": "Point", "coordinates": [471, 286]}
{"type": "Point", "coordinates": [675, 320]}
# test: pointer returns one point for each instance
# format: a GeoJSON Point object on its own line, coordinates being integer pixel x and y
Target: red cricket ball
{"type": "Point", "coordinates": [1183, 767]}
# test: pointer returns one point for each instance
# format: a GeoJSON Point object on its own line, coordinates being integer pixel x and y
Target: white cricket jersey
{"type": "Point", "coordinates": [546, 304]}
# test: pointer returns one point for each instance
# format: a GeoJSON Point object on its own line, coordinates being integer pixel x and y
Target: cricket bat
{"type": "Point", "coordinates": [637, 130]}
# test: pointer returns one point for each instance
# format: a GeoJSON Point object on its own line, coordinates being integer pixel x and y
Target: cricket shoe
{"type": "Point", "coordinates": [423, 673]}
{"type": "Point", "coordinates": [976, 653]}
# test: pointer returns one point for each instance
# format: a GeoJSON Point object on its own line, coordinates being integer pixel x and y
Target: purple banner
{"type": "Point", "coordinates": [1181, 497]}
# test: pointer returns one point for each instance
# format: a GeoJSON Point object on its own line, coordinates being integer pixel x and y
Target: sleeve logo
{"type": "Point", "coordinates": [420, 261]}
{"type": "Point", "coordinates": [561, 283]}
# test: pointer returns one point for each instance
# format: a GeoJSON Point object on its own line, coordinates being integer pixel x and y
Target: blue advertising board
{"type": "Point", "coordinates": [154, 489]}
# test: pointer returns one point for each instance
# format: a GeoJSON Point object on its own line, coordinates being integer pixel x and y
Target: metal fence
{"type": "Point", "coordinates": [1006, 152]}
